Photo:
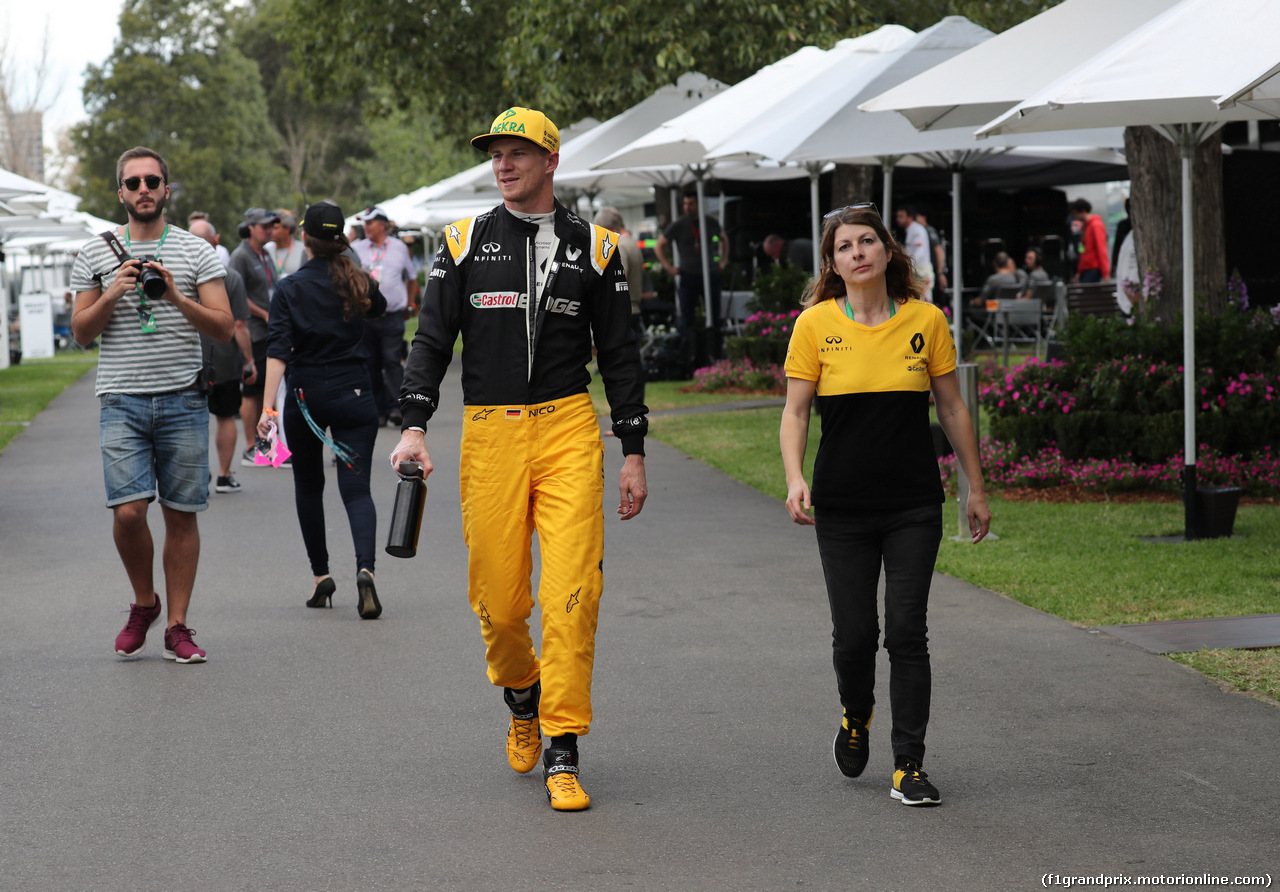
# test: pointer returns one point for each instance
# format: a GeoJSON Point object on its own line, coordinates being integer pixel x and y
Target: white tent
{"type": "Point", "coordinates": [820, 122]}
{"type": "Point", "coordinates": [1185, 73]}
{"type": "Point", "coordinates": [39, 228]}
{"type": "Point", "coordinates": [579, 157]}
{"type": "Point", "coordinates": [974, 87]}
{"type": "Point", "coordinates": [824, 122]}
{"type": "Point", "coordinates": [690, 138]}
{"type": "Point", "coordinates": [1181, 66]}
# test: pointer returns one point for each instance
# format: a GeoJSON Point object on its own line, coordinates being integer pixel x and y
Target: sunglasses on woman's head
{"type": "Point", "coordinates": [860, 206]}
{"type": "Point", "coordinates": [131, 184]}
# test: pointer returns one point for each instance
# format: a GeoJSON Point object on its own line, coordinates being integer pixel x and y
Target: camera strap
{"type": "Point", "coordinates": [114, 244]}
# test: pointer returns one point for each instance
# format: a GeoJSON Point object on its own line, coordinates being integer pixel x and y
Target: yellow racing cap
{"type": "Point", "coordinates": [521, 123]}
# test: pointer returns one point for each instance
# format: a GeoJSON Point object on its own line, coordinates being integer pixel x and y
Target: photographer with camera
{"type": "Point", "coordinates": [149, 301]}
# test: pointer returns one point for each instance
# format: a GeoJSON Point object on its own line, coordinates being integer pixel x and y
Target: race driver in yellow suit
{"type": "Point", "coordinates": [530, 286]}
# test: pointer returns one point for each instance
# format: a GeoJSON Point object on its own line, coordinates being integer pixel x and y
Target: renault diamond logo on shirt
{"type": "Point", "coordinates": [917, 342]}
{"type": "Point", "coordinates": [835, 339]}
{"type": "Point", "coordinates": [490, 247]}
{"type": "Point", "coordinates": [572, 253]}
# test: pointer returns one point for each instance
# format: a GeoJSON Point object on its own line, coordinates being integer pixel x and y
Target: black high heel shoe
{"type": "Point", "coordinates": [323, 595]}
{"type": "Point", "coordinates": [368, 604]}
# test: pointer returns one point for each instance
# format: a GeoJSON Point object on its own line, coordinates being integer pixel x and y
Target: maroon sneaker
{"type": "Point", "coordinates": [179, 646]}
{"type": "Point", "coordinates": [132, 639]}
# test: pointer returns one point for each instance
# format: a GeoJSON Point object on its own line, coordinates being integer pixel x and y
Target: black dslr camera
{"type": "Point", "coordinates": [151, 280]}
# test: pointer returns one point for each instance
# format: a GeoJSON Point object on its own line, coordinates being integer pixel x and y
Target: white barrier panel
{"type": "Point", "coordinates": [35, 311]}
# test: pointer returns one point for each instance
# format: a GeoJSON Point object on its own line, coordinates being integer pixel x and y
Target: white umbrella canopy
{"type": "Point", "coordinates": [981, 83]}
{"type": "Point", "coordinates": [749, 106]}
{"type": "Point", "coordinates": [824, 122]}
{"type": "Point", "coordinates": [1173, 69]}
{"type": "Point", "coordinates": [1261, 93]}
{"type": "Point", "coordinates": [820, 119]}
{"type": "Point", "coordinates": [688, 137]}
{"type": "Point", "coordinates": [578, 157]}
{"type": "Point", "coordinates": [1185, 73]}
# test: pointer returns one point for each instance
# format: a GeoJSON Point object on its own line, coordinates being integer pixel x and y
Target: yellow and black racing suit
{"type": "Point", "coordinates": [532, 457]}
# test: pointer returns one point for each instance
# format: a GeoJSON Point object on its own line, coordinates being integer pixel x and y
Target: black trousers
{"type": "Point", "coordinates": [339, 399]}
{"type": "Point", "coordinates": [854, 547]}
{"type": "Point", "coordinates": [384, 341]}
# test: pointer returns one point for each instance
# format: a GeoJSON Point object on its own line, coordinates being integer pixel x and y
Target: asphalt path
{"type": "Point", "coordinates": [318, 751]}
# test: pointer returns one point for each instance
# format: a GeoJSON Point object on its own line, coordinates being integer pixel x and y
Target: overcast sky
{"type": "Point", "coordinates": [80, 32]}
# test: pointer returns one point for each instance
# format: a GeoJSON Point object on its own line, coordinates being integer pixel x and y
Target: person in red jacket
{"type": "Point", "coordinates": [1095, 263]}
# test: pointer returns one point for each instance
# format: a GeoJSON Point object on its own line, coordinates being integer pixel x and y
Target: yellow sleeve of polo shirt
{"type": "Point", "coordinates": [802, 352]}
{"type": "Point", "coordinates": [942, 346]}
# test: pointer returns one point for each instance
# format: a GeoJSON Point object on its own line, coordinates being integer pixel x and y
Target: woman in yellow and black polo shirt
{"type": "Point", "coordinates": [872, 351]}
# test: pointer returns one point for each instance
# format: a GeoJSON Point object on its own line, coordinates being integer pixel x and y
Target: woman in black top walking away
{"type": "Point", "coordinates": [316, 334]}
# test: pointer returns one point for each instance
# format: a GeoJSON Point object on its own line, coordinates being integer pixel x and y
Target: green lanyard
{"type": "Point", "coordinates": [146, 317]}
{"type": "Point", "coordinates": [848, 310]}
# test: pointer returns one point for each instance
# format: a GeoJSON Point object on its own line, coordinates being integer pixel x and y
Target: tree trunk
{"type": "Point", "coordinates": [853, 183]}
{"type": "Point", "coordinates": [1155, 201]}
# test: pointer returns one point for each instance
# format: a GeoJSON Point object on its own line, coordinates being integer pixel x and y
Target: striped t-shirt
{"type": "Point", "coordinates": [164, 360]}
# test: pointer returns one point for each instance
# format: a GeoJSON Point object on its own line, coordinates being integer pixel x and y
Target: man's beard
{"type": "Point", "coordinates": [151, 215]}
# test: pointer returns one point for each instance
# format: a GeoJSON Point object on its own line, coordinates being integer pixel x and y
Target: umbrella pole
{"type": "Point", "coordinates": [1186, 149]}
{"type": "Point", "coordinates": [702, 246]}
{"type": "Point", "coordinates": [887, 163]}
{"type": "Point", "coordinates": [957, 283]}
{"type": "Point", "coordinates": [814, 213]}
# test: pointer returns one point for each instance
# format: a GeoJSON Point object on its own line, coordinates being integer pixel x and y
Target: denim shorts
{"type": "Point", "coordinates": [156, 445]}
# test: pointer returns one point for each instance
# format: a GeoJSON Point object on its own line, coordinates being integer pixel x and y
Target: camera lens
{"type": "Point", "coordinates": [151, 280]}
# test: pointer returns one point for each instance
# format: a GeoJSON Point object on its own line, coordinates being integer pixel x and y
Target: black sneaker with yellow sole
{"type": "Point", "coordinates": [911, 785]}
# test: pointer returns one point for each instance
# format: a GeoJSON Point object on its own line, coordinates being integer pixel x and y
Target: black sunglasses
{"type": "Point", "coordinates": [860, 206]}
{"type": "Point", "coordinates": [132, 183]}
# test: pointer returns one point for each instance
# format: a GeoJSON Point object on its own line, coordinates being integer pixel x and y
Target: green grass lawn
{"type": "Point", "coordinates": [660, 395]}
{"type": "Point", "coordinates": [1086, 563]}
{"type": "Point", "coordinates": [27, 388]}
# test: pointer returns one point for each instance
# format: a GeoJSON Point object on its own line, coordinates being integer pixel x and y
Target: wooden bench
{"type": "Point", "coordinates": [1094, 299]}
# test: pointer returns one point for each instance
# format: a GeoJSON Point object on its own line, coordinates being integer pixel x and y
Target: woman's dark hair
{"type": "Point", "coordinates": [900, 281]}
{"type": "Point", "coordinates": [349, 279]}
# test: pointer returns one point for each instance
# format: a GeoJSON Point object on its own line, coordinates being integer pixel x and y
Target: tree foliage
{"type": "Point", "coordinates": [175, 83]}
{"type": "Point", "coordinates": [448, 54]}
{"type": "Point", "coordinates": [320, 138]}
{"type": "Point", "coordinates": [995, 15]}
{"type": "Point", "coordinates": [465, 62]}
{"type": "Point", "coordinates": [602, 58]}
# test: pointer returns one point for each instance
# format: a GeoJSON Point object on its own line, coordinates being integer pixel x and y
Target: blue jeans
{"type": "Point", "coordinates": [155, 445]}
{"type": "Point", "coordinates": [1089, 276]}
{"type": "Point", "coordinates": [338, 398]}
{"type": "Point", "coordinates": [853, 548]}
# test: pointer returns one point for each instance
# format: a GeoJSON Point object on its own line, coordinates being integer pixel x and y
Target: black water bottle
{"type": "Point", "coordinates": [406, 514]}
